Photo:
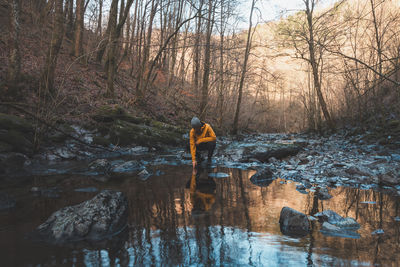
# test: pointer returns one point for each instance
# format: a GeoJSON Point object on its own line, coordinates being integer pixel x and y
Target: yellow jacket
{"type": "Point", "coordinates": [204, 199]}
{"type": "Point", "coordinates": [206, 135]}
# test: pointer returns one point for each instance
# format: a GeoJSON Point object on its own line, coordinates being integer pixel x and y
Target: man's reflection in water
{"type": "Point", "coordinates": [202, 190]}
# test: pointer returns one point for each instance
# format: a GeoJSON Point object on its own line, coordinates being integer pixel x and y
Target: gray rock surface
{"type": "Point", "coordinates": [100, 166]}
{"type": "Point", "coordinates": [95, 219]}
{"type": "Point", "coordinates": [293, 222]}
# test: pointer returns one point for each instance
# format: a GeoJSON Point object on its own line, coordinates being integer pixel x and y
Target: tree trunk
{"type": "Point", "coordinates": [196, 72]}
{"type": "Point", "coordinates": [99, 20]}
{"type": "Point", "coordinates": [207, 56]}
{"type": "Point", "coordinates": [114, 33]}
{"type": "Point", "coordinates": [14, 64]}
{"type": "Point", "coordinates": [314, 65]}
{"type": "Point", "coordinates": [47, 79]}
{"type": "Point", "coordinates": [69, 18]}
{"type": "Point", "coordinates": [78, 33]}
{"type": "Point", "coordinates": [244, 70]}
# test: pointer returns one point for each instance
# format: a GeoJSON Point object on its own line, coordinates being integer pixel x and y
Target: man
{"type": "Point", "coordinates": [202, 137]}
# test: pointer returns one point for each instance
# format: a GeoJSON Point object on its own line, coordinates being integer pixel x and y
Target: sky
{"type": "Point", "coordinates": [274, 9]}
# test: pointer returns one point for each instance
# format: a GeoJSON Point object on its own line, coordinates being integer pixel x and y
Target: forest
{"type": "Point", "coordinates": [108, 109]}
{"type": "Point", "coordinates": [312, 69]}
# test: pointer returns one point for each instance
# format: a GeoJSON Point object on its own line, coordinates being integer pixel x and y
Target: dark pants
{"type": "Point", "coordinates": [207, 146]}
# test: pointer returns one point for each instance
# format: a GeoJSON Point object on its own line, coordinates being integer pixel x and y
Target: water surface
{"type": "Point", "coordinates": [177, 219]}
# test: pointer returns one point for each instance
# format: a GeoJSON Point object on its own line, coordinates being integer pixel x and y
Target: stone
{"type": "Point", "coordinates": [278, 152]}
{"type": "Point", "coordinates": [144, 174]}
{"type": "Point", "coordinates": [388, 179]}
{"type": "Point", "coordinates": [20, 142]}
{"type": "Point", "coordinates": [100, 166]}
{"type": "Point", "coordinates": [128, 167]}
{"type": "Point", "coordinates": [263, 177]}
{"type": "Point", "coordinates": [6, 202]}
{"type": "Point", "coordinates": [293, 222]}
{"type": "Point", "coordinates": [93, 220]}
{"type": "Point", "coordinates": [356, 171]}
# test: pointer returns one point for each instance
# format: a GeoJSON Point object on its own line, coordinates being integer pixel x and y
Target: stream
{"type": "Point", "coordinates": [216, 216]}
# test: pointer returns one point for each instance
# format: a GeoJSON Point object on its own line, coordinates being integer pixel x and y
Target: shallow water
{"type": "Point", "coordinates": [179, 220]}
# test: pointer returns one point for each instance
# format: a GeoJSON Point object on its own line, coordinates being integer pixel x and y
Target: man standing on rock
{"type": "Point", "coordinates": [202, 137]}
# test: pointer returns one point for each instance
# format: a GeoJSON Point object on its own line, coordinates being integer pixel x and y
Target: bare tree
{"type": "Point", "coordinates": [244, 70]}
{"type": "Point", "coordinates": [14, 64]}
{"type": "Point", "coordinates": [47, 78]}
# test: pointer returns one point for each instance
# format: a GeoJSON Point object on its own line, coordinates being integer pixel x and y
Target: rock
{"type": "Point", "coordinates": [388, 179]}
{"type": "Point", "coordinates": [128, 167]}
{"type": "Point", "coordinates": [395, 157]}
{"type": "Point", "coordinates": [102, 166]}
{"type": "Point", "coordinates": [333, 230]}
{"type": "Point", "coordinates": [65, 153]}
{"type": "Point", "coordinates": [96, 219]}
{"type": "Point", "coordinates": [144, 174]}
{"type": "Point", "coordinates": [323, 193]}
{"type": "Point", "coordinates": [6, 202]}
{"type": "Point", "coordinates": [11, 122]}
{"type": "Point", "coordinates": [335, 219]}
{"type": "Point", "coordinates": [356, 171]}
{"type": "Point", "coordinates": [278, 152]}
{"type": "Point", "coordinates": [262, 178]}
{"type": "Point", "coordinates": [13, 162]}
{"type": "Point", "coordinates": [293, 222]}
{"type": "Point", "coordinates": [18, 141]}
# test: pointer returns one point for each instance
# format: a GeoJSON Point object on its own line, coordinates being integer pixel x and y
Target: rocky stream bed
{"type": "Point", "coordinates": [142, 151]}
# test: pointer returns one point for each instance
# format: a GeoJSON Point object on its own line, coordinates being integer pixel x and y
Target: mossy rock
{"type": "Point", "coordinates": [167, 127]}
{"type": "Point", "coordinates": [101, 141]}
{"type": "Point", "coordinates": [125, 133]}
{"type": "Point", "coordinates": [113, 113]}
{"type": "Point", "coordinates": [17, 140]}
{"type": "Point", "coordinates": [59, 137]}
{"type": "Point", "coordinates": [12, 122]}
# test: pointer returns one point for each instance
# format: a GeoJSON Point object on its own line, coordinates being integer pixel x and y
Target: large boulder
{"type": "Point", "coordinates": [262, 178]}
{"type": "Point", "coordinates": [293, 222]}
{"type": "Point", "coordinates": [93, 220]}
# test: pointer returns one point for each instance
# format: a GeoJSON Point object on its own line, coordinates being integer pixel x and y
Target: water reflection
{"type": "Point", "coordinates": [187, 218]}
{"type": "Point", "coordinates": [202, 190]}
